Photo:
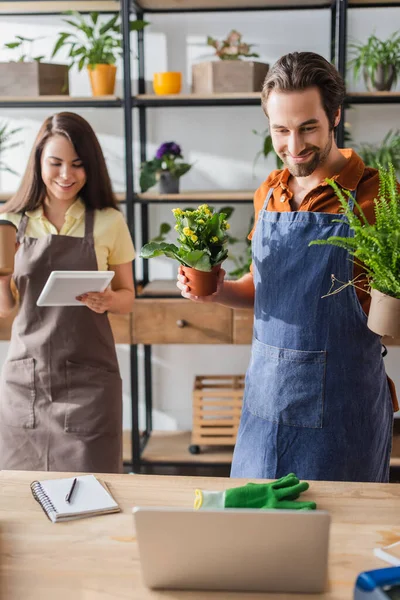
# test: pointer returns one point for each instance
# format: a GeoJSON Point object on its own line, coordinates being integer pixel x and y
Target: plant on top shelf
{"type": "Point", "coordinates": [232, 48]}
{"type": "Point", "coordinates": [96, 46]}
{"type": "Point", "coordinates": [166, 167]}
{"type": "Point", "coordinates": [377, 248]}
{"type": "Point", "coordinates": [202, 238]}
{"type": "Point", "coordinates": [378, 61]}
{"type": "Point", "coordinates": [24, 45]}
{"type": "Point", "coordinates": [385, 153]}
{"type": "Point", "coordinates": [6, 135]}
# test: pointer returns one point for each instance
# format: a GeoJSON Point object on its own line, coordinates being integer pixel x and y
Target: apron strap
{"type": "Point", "coordinates": [22, 228]}
{"type": "Point", "coordinates": [89, 225]}
{"type": "Point", "coordinates": [266, 202]}
{"type": "Point", "coordinates": [352, 198]}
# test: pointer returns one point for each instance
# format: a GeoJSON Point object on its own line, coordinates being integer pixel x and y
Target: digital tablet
{"type": "Point", "coordinates": [62, 287]}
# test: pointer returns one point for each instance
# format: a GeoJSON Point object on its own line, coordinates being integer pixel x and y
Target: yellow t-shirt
{"type": "Point", "coordinates": [112, 240]}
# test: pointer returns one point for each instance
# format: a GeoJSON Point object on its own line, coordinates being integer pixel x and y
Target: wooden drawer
{"type": "Point", "coordinates": [170, 321]}
{"type": "Point", "coordinates": [243, 325]}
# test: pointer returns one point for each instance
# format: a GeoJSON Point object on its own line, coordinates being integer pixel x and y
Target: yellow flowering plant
{"type": "Point", "coordinates": [202, 238]}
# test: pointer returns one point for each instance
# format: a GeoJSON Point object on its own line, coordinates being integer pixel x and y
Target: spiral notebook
{"type": "Point", "coordinates": [90, 498]}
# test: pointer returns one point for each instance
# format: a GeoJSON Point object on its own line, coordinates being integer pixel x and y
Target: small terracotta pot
{"type": "Point", "coordinates": [8, 234]}
{"type": "Point", "coordinates": [384, 314]}
{"type": "Point", "coordinates": [102, 79]}
{"type": "Point", "coordinates": [202, 283]}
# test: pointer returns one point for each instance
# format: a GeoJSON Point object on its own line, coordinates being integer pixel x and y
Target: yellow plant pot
{"type": "Point", "coordinates": [169, 82]}
{"type": "Point", "coordinates": [102, 79]}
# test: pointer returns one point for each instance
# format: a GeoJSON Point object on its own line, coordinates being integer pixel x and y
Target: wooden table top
{"type": "Point", "coordinates": [97, 558]}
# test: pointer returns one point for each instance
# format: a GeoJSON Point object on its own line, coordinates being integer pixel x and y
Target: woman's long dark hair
{"type": "Point", "coordinates": [96, 193]}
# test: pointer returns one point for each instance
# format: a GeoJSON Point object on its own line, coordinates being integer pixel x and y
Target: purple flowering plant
{"type": "Point", "coordinates": [168, 158]}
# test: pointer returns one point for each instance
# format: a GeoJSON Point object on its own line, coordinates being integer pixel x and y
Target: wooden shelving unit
{"type": "Point", "coordinates": [60, 101]}
{"type": "Point", "coordinates": [37, 7]}
{"type": "Point", "coordinates": [231, 5]}
{"type": "Point", "coordinates": [206, 197]}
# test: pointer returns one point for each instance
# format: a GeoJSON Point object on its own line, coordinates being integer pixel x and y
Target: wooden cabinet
{"type": "Point", "coordinates": [178, 321]}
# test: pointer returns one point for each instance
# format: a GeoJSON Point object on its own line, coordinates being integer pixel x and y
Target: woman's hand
{"type": "Point", "coordinates": [99, 302]}
{"type": "Point", "coordinates": [183, 284]}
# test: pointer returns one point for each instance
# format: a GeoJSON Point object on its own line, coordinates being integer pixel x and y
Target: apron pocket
{"type": "Point", "coordinates": [18, 393]}
{"type": "Point", "coordinates": [286, 386]}
{"type": "Point", "coordinates": [94, 400]}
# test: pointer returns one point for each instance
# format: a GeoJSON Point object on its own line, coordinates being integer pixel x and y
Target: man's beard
{"type": "Point", "coordinates": [317, 160]}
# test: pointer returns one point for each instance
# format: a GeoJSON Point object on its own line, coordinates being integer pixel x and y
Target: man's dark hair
{"type": "Point", "coordinates": [301, 70]}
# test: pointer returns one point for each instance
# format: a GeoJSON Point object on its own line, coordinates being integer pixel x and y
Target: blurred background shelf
{"type": "Point", "coordinates": [202, 197]}
{"type": "Point", "coordinates": [51, 7]}
{"type": "Point", "coordinates": [61, 101]}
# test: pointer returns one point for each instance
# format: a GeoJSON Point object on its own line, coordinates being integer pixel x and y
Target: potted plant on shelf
{"type": "Point", "coordinates": [96, 46]}
{"type": "Point", "coordinates": [377, 248]}
{"type": "Point", "coordinates": [202, 237]}
{"type": "Point", "coordinates": [28, 75]}
{"type": "Point", "coordinates": [385, 153]}
{"type": "Point", "coordinates": [378, 61]}
{"type": "Point", "coordinates": [166, 168]}
{"type": "Point", "coordinates": [229, 73]}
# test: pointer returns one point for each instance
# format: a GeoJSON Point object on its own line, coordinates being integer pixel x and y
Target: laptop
{"type": "Point", "coordinates": [233, 549]}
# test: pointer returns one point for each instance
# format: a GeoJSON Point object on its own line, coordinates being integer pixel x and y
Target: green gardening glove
{"type": "Point", "coordinates": [281, 494]}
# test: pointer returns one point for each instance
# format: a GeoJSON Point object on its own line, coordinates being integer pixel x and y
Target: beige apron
{"type": "Point", "coordinates": [60, 388]}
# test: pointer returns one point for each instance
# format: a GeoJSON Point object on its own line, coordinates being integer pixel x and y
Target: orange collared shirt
{"type": "Point", "coordinates": [354, 176]}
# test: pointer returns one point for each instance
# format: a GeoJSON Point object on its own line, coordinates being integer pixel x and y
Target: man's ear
{"type": "Point", "coordinates": [338, 117]}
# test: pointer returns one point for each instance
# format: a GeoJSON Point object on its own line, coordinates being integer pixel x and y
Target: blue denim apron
{"type": "Point", "coordinates": [317, 401]}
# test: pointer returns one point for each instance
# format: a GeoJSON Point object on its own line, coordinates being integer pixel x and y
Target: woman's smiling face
{"type": "Point", "coordinates": [62, 170]}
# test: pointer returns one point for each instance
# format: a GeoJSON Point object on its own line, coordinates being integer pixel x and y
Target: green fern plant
{"type": "Point", "coordinates": [376, 246]}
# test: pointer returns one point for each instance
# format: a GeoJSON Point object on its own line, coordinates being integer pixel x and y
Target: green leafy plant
{"type": "Point", "coordinates": [267, 148]}
{"type": "Point", "coordinates": [377, 246]}
{"type": "Point", "coordinates": [232, 48]}
{"type": "Point", "coordinates": [243, 261]}
{"type": "Point", "coordinates": [168, 158]}
{"type": "Point", "coordinates": [385, 153]}
{"type": "Point", "coordinates": [6, 135]}
{"type": "Point", "coordinates": [378, 60]}
{"type": "Point", "coordinates": [91, 42]}
{"type": "Point", "coordinates": [202, 238]}
{"type": "Point", "coordinates": [24, 45]}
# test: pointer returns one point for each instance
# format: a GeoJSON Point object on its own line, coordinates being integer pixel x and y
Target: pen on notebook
{"type": "Point", "coordinates": [71, 491]}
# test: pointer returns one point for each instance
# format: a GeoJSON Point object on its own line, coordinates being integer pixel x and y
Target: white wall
{"type": "Point", "coordinates": [219, 140]}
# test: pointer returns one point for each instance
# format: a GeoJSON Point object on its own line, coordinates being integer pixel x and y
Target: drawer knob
{"type": "Point", "coordinates": [181, 323]}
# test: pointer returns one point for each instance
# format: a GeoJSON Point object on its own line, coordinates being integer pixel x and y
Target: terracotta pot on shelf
{"type": "Point", "coordinates": [8, 234]}
{"type": "Point", "coordinates": [384, 314]}
{"type": "Point", "coordinates": [102, 79]}
{"type": "Point", "coordinates": [202, 283]}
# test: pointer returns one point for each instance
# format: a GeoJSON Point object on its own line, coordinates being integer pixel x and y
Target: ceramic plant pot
{"type": "Point", "coordinates": [202, 283]}
{"type": "Point", "coordinates": [102, 79]}
{"type": "Point", "coordinates": [168, 184]}
{"type": "Point", "coordinates": [384, 314]}
{"type": "Point", "coordinates": [169, 82]}
{"type": "Point", "coordinates": [382, 80]}
{"type": "Point", "coordinates": [8, 234]}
